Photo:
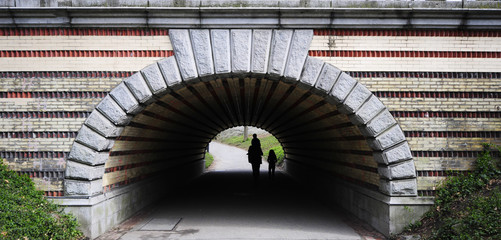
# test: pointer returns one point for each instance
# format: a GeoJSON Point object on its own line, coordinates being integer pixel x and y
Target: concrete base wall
{"type": "Point", "coordinates": [388, 215]}
{"type": "Point", "coordinates": [99, 213]}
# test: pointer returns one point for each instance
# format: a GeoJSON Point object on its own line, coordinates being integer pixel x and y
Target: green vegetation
{"type": "Point", "coordinates": [466, 206]}
{"type": "Point", "coordinates": [268, 143]}
{"type": "Point", "coordinates": [208, 159]}
{"type": "Point", "coordinates": [26, 214]}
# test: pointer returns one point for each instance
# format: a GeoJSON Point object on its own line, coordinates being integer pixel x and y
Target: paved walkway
{"type": "Point", "coordinates": [225, 203]}
{"type": "Point", "coordinates": [230, 159]}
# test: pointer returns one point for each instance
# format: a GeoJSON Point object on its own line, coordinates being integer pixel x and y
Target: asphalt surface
{"type": "Point", "coordinates": [226, 203]}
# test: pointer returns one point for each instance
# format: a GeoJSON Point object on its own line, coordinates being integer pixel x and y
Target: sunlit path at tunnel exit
{"type": "Point", "coordinates": [225, 203]}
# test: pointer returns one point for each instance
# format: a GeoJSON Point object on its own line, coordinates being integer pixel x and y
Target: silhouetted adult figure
{"type": "Point", "coordinates": [272, 160]}
{"type": "Point", "coordinates": [255, 141]}
{"type": "Point", "coordinates": [254, 154]}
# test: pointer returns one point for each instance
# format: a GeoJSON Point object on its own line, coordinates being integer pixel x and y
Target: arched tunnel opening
{"type": "Point", "coordinates": [151, 132]}
{"type": "Point", "coordinates": [176, 129]}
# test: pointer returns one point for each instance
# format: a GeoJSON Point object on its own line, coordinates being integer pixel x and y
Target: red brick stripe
{"type": "Point", "coordinates": [431, 114]}
{"type": "Point", "coordinates": [82, 32]}
{"type": "Point", "coordinates": [50, 174]}
{"type": "Point", "coordinates": [441, 173]}
{"type": "Point", "coordinates": [406, 33]}
{"type": "Point", "coordinates": [53, 94]}
{"type": "Point", "coordinates": [422, 134]}
{"type": "Point", "coordinates": [74, 74]}
{"type": "Point", "coordinates": [449, 154]}
{"type": "Point", "coordinates": [129, 166]}
{"type": "Point", "coordinates": [86, 53]}
{"type": "Point", "coordinates": [392, 94]}
{"type": "Point", "coordinates": [407, 114]}
{"type": "Point", "coordinates": [38, 154]}
{"type": "Point", "coordinates": [53, 193]}
{"type": "Point", "coordinates": [165, 32]}
{"type": "Point", "coordinates": [479, 75]}
{"type": "Point", "coordinates": [62, 114]}
{"type": "Point", "coordinates": [129, 181]}
{"type": "Point", "coordinates": [402, 54]}
{"type": "Point", "coordinates": [384, 94]}
{"type": "Point", "coordinates": [38, 134]}
{"type": "Point", "coordinates": [313, 53]}
{"type": "Point", "coordinates": [453, 134]}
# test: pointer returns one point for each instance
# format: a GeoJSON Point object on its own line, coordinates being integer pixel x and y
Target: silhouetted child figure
{"type": "Point", "coordinates": [272, 160]}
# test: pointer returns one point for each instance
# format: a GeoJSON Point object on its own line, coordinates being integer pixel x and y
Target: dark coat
{"type": "Point", "coordinates": [254, 155]}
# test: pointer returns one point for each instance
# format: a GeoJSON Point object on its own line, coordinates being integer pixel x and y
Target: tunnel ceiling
{"type": "Point", "coordinates": [165, 115]}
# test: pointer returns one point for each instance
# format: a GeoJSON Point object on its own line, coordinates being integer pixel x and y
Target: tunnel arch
{"type": "Point", "coordinates": [222, 78]}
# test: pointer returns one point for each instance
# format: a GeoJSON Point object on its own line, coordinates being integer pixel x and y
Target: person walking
{"type": "Point", "coordinates": [272, 160]}
{"type": "Point", "coordinates": [255, 141]}
{"type": "Point", "coordinates": [254, 155]}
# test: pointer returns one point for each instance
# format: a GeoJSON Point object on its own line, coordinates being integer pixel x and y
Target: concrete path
{"type": "Point", "coordinates": [229, 159]}
{"type": "Point", "coordinates": [225, 203]}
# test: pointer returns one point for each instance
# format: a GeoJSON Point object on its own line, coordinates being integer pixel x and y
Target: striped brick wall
{"type": "Point", "coordinates": [443, 87]}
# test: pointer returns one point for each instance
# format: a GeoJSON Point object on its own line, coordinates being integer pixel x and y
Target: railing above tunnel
{"type": "Point", "coordinates": [225, 64]}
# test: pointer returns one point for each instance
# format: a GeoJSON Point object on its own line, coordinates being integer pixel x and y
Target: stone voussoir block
{"type": "Point", "coordinates": [368, 111]}
{"type": "Point", "coordinates": [298, 52]}
{"type": "Point", "coordinates": [378, 124]}
{"type": "Point", "coordinates": [261, 44]}
{"type": "Point", "coordinates": [122, 95]}
{"type": "Point", "coordinates": [404, 187]}
{"type": "Point", "coordinates": [75, 170]}
{"type": "Point", "coordinates": [139, 88]}
{"type": "Point", "coordinates": [389, 138]}
{"type": "Point", "coordinates": [201, 44]}
{"type": "Point", "coordinates": [82, 187]}
{"type": "Point", "coordinates": [355, 99]}
{"type": "Point", "coordinates": [181, 43]}
{"type": "Point", "coordinates": [170, 71]}
{"type": "Point", "coordinates": [401, 170]}
{"type": "Point", "coordinates": [342, 88]}
{"type": "Point", "coordinates": [84, 154]}
{"type": "Point", "coordinates": [221, 51]}
{"type": "Point", "coordinates": [92, 139]}
{"type": "Point", "coordinates": [110, 109]}
{"type": "Point", "coordinates": [102, 125]}
{"type": "Point", "coordinates": [241, 48]}
{"type": "Point", "coordinates": [280, 44]}
{"type": "Point", "coordinates": [311, 71]}
{"type": "Point", "coordinates": [394, 155]}
{"type": "Point", "coordinates": [326, 79]}
{"type": "Point", "coordinates": [155, 80]}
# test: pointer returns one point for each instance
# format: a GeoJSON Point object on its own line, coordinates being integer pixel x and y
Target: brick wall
{"type": "Point", "coordinates": [443, 87]}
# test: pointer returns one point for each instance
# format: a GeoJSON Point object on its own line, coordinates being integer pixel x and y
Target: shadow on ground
{"type": "Point", "coordinates": [230, 205]}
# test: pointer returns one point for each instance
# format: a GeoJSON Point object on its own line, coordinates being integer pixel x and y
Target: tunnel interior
{"type": "Point", "coordinates": [176, 129]}
{"type": "Point", "coordinates": [152, 130]}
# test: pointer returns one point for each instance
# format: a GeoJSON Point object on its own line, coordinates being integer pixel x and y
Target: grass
{"type": "Point", "coordinates": [467, 206]}
{"type": "Point", "coordinates": [208, 159]}
{"type": "Point", "coordinates": [26, 214]}
{"type": "Point", "coordinates": [268, 142]}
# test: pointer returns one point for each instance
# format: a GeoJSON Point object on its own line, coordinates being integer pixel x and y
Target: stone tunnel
{"type": "Point", "coordinates": [107, 105]}
{"type": "Point", "coordinates": [157, 124]}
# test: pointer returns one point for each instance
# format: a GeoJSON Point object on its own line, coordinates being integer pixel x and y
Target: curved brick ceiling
{"type": "Point", "coordinates": [165, 115]}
